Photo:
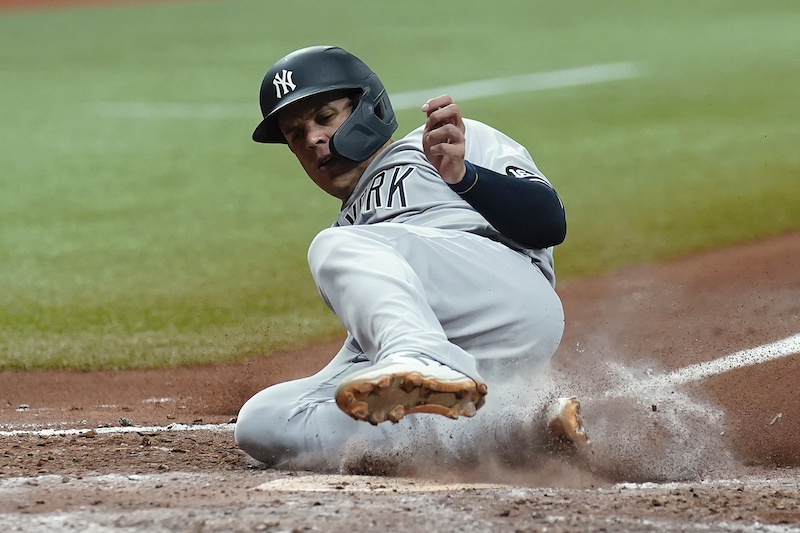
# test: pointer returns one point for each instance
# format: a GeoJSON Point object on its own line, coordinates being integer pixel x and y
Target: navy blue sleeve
{"type": "Point", "coordinates": [527, 211]}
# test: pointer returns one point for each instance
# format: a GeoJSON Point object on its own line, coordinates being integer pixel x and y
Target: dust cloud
{"type": "Point", "coordinates": [659, 435]}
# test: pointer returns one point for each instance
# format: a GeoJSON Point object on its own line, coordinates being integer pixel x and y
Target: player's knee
{"type": "Point", "coordinates": [247, 434]}
{"type": "Point", "coordinates": [329, 246]}
{"type": "Point", "coordinates": [258, 431]}
{"type": "Point", "coordinates": [324, 244]}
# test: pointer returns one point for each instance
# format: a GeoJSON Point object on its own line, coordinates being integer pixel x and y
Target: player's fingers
{"type": "Point", "coordinates": [442, 117]}
{"type": "Point", "coordinates": [445, 134]}
{"type": "Point", "coordinates": [442, 145]}
{"type": "Point", "coordinates": [435, 103]}
{"type": "Point", "coordinates": [444, 150]}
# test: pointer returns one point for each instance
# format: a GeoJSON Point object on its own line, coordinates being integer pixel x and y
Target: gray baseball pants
{"type": "Point", "coordinates": [467, 301]}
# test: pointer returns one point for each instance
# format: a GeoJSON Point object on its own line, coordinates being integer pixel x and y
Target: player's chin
{"type": "Point", "coordinates": [344, 185]}
{"type": "Point", "coordinates": [337, 186]}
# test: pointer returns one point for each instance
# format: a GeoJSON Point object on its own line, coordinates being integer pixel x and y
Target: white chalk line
{"type": "Point", "coordinates": [698, 371]}
{"type": "Point", "coordinates": [752, 356]}
{"type": "Point", "coordinates": [538, 81]}
{"type": "Point", "coordinates": [51, 432]}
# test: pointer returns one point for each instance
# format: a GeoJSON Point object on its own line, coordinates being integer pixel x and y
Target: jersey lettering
{"type": "Point", "coordinates": [380, 193]}
{"type": "Point", "coordinates": [397, 187]}
{"type": "Point", "coordinates": [518, 172]}
{"type": "Point", "coordinates": [374, 192]}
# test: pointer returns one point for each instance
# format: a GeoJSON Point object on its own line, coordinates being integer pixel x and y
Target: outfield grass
{"type": "Point", "coordinates": [134, 241]}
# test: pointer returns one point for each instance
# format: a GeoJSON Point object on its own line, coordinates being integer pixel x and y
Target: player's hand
{"type": "Point", "coordinates": [443, 140]}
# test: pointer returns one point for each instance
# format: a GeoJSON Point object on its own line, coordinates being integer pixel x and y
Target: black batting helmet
{"type": "Point", "coordinates": [319, 69]}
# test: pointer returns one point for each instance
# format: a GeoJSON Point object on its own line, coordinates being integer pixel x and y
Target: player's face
{"type": "Point", "coordinates": [308, 126]}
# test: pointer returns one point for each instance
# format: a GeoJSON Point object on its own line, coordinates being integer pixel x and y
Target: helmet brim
{"type": "Point", "coordinates": [264, 133]}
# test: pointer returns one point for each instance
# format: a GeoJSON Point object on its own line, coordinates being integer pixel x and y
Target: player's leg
{"type": "Point", "coordinates": [382, 302]}
{"type": "Point", "coordinates": [299, 416]}
{"type": "Point", "coordinates": [379, 297]}
{"type": "Point", "coordinates": [297, 423]}
{"type": "Point", "coordinates": [451, 296]}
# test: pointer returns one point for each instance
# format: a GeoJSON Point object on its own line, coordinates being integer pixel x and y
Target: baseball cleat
{"type": "Point", "coordinates": [566, 427]}
{"type": "Point", "coordinates": [401, 385]}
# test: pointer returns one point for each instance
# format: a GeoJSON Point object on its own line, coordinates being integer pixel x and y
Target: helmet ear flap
{"type": "Point", "coordinates": [379, 109]}
{"type": "Point", "coordinates": [368, 127]}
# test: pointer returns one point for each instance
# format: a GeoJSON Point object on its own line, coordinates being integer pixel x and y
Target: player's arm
{"type": "Point", "coordinates": [527, 211]}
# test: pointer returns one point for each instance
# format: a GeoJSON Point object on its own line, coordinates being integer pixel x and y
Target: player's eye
{"type": "Point", "coordinates": [293, 135]}
{"type": "Point", "coordinates": [325, 118]}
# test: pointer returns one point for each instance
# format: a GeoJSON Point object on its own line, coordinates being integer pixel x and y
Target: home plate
{"type": "Point", "coordinates": [341, 483]}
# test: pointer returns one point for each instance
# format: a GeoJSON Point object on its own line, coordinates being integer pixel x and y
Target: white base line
{"type": "Point", "coordinates": [408, 100]}
{"type": "Point", "coordinates": [124, 429]}
{"type": "Point", "coordinates": [698, 371]}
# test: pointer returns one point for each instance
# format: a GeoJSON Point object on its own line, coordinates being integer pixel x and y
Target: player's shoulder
{"type": "Point", "coordinates": [476, 125]}
{"type": "Point", "coordinates": [407, 148]}
{"type": "Point", "coordinates": [475, 131]}
{"type": "Point", "coordinates": [486, 146]}
{"type": "Point", "coordinates": [411, 140]}
{"type": "Point", "coordinates": [401, 152]}
{"type": "Point", "coordinates": [490, 148]}
{"type": "Point", "coordinates": [479, 132]}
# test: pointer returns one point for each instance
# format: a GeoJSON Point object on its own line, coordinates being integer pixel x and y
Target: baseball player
{"type": "Point", "coordinates": [439, 265]}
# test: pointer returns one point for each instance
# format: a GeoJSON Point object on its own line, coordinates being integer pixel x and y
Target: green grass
{"type": "Point", "coordinates": [143, 242]}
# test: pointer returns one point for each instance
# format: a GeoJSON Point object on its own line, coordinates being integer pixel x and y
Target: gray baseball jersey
{"type": "Point", "coordinates": [402, 186]}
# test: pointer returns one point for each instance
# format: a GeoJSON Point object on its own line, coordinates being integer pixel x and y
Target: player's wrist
{"type": "Point", "coordinates": [467, 181]}
{"type": "Point", "coordinates": [455, 175]}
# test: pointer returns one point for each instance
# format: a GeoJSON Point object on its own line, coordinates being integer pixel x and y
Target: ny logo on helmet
{"type": "Point", "coordinates": [283, 82]}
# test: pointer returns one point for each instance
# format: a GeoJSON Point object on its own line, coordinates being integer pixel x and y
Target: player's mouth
{"type": "Point", "coordinates": [332, 165]}
{"type": "Point", "coordinates": [326, 163]}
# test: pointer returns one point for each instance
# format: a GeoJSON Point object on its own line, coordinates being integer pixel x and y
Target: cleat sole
{"type": "Point", "coordinates": [394, 396]}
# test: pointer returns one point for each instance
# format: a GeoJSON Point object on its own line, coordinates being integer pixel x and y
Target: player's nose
{"type": "Point", "coordinates": [316, 135]}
